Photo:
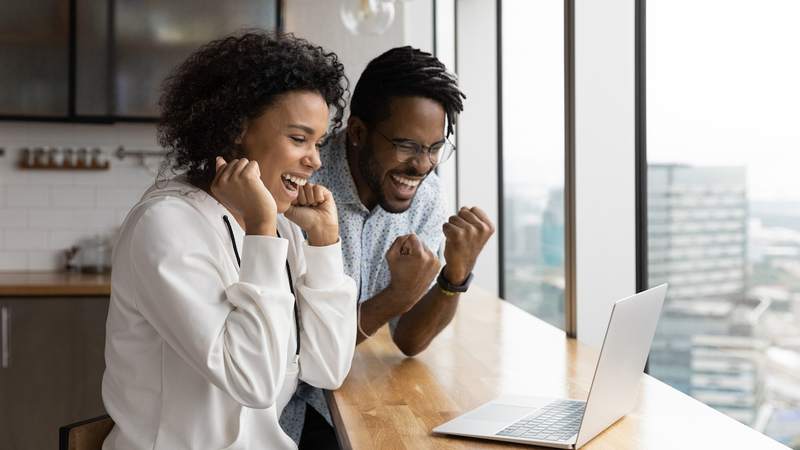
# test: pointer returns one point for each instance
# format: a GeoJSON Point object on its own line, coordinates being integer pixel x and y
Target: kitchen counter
{"type": "Point", "coordinates": [53, 284]}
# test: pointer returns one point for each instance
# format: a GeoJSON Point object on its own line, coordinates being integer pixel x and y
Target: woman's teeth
{"type": "Point", "coordinates": [296, 180]}
{"type": "Point", "coordinates": [406, 181]}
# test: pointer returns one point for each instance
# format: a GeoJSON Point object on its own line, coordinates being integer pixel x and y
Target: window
{"type": "Point", "coordinates": [533, 157]}
{"type": "Point", "coordinates": [723, 108]}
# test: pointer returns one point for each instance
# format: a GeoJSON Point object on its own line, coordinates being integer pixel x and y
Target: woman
{"type": "Point", "coordinates": [218, 304]}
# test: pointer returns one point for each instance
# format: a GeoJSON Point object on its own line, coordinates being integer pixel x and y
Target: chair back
{"type": "Point", "coordinates": [85, 435]}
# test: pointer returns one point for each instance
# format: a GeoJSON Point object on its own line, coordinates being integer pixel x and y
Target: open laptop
{"type": "Point", "coordinates": [566, 423]}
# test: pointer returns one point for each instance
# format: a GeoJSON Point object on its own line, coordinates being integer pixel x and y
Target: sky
{"type": "Point", "coordinates": [723, 89]}
{"type": "Point", "coordinates": [533, 95]}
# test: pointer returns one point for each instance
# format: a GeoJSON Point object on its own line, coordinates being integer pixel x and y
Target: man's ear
{"type": "Point", "coordinates": [356, 131]}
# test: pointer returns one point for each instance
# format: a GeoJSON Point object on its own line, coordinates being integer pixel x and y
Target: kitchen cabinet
{"type": "Point", "coordinates": [101, 61]}
{"type": "Point", "coordinates": [34, 58]}
{"type": "Point", "coordinates": [51, 366]}
{"type": "Point", "coordinates": [154, 36]}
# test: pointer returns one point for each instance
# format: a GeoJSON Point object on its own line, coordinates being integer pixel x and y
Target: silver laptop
{"type": "Point", "coordinates": [566, 423]}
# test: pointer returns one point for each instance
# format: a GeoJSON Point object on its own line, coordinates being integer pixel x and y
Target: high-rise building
{"type": "Point", "coordinates": [697, 231]}
{"type": "Point", "coordinates": [552, 233]}
{"type": "Point", "coordinates": [707, 343]}
{"type": "Point", "coordinates": [534, 252]}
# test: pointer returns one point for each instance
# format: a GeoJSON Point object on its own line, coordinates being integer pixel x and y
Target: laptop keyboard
{"type": "Point", "coordinates": [557, 421]}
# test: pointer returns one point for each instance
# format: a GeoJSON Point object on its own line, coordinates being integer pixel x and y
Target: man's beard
{"type": "Point", "coordinates": [370, 172]}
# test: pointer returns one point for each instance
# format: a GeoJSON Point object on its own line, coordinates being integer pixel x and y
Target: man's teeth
{"type": "Point", "coordinates": [406, 181]}
{"type": "Point", "coordinates": [296, 180]}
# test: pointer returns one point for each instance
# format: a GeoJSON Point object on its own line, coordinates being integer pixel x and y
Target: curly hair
{"type": "Point", "coordinates": [405, 72]}
{"type": "Point", "coordinates": [207, 100]}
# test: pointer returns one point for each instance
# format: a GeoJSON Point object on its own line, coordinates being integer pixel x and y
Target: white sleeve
{"type": "Point", "coordinates": [327, 301]}
{"type": "Point", "coordinates": [236, 336]}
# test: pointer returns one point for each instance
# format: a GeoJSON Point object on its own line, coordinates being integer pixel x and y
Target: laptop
{"type": "Point", "coordinates": [568, 423]}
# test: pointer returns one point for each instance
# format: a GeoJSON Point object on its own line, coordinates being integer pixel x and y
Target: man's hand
{"type": "Point", "coordinates": [413, 267]}
{"type": "Point", "coordinates": [465, 235]}
{"type": "Point", "coordinates": [237, 185]}
{"type": "Point", "coordinates": [314, 211]}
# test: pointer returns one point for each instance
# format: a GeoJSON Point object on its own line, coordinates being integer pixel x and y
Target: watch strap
{"type": "Point", "coordinates": [452, 289]}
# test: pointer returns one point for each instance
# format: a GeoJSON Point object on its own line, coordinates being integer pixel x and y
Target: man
{"type": "Point", "coordinates": [392, 216]}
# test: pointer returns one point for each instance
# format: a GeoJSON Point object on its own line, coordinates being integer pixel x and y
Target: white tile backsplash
{"type": "Point", "coordinates": [74, 196]}
{"type": "Point", "coordinates": [25, 240]}
{"type": "Point", "coordinates": [103, 221]}
{"type": "Point", "coordinates": [62, 240]}
{"type": "Point", "coordinates": [13, 218]}
{"type": "Point", "coordinates": [118, 197]}
{"type": "Point", "coordinates": [45, 260]}
{"type": "Point", "coordinates": [27, 195]}
{"type": "Point", "coordinates": [13, 260]}
{"type": "Point", "coordinates": [61, 219]}
{"type": "Point", "coordinates": [50, 177]}
{"type": "Point", "coordinates": [43, 212]}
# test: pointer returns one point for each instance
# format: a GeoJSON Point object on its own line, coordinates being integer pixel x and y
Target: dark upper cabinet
{"type": "Point", "coordinates": [91, 60]}
{"type": "Point", "coordinates": [93, 53]}
{"type": "Point", "coordinates": [153, 36]}
{"type": "Point", "coordinates": [34, 49]}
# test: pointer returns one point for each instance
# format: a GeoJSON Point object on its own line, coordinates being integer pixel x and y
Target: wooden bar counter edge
{"type": "Point", "coordinates": [390, 401]}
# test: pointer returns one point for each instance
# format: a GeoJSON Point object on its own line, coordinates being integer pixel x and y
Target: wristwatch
{"type": "Point", "coordinates": [449, 288]}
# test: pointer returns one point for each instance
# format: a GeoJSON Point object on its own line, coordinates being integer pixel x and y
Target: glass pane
{"type": "Point", "coordinates": [34, 44]}
{"type": "Point", "coordinates": [92, 86]}
{"type": "Point", "coordinates": [724, 205]}
{"type": "Point", "coordinates": [154, 36]}
{"type": "Point", "coordinates": [533, 156]}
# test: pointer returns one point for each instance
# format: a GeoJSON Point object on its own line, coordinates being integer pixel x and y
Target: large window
{"type": "Point", "coordinates": [533, 156]}
{"type": "Point", "coordinates": [723, 126]}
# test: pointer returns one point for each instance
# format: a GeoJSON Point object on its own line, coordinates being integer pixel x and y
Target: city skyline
{"type": "Point", "coordinates": [747, 339]}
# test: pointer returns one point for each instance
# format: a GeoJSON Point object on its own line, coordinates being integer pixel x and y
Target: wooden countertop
{"type": "Point", "coordinates": [492, 347]}
{"type": "Point", "coordinates": [39, 284]}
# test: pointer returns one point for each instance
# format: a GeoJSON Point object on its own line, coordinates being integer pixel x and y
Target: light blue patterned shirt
{"type": "Point", "coordinates": [366, 236]}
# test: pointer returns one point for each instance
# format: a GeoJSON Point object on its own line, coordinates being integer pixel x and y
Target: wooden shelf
{"type": "Point", "coordinates": [105, 166]}
{"type": "Point", "coordinates": [53, 284]}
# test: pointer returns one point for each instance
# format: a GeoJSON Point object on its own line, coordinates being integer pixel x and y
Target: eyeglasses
{"type": "Point", "coordinates": [405, 150]}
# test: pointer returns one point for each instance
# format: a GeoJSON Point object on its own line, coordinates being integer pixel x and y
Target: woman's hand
{"type": "Point", "coordinates": [237, 185]}
{"type": "Point", "coordinates": [314, 211]}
